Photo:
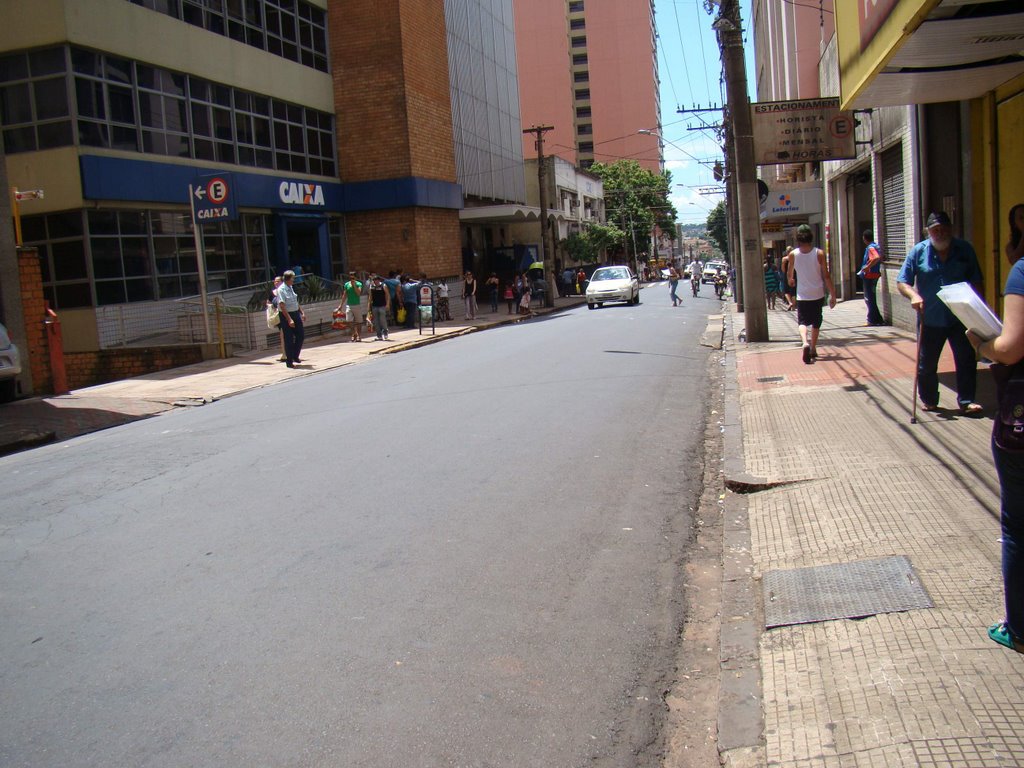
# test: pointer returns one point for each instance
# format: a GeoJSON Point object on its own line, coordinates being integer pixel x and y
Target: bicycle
{"type": "Point", "coordinates": [695, 285]}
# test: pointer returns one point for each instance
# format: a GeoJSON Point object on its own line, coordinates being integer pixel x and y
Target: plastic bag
{"type": "Point", "coordinates": [401, 315]}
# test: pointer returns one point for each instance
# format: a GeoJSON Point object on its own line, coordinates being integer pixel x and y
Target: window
{"type": "Point", "coordinates": [586, 129]}
{"type": "Point", "coordinates": [582, 94]}
{"type": "Point", "coordinates": [61, 243]}
{"type": "Point", "coordinates": [292, 29]}
{"type": "Point", "coordinates": [581, 77]}
{"type": "Point", "coordinates": [575, 24]}
{"type": "Point", "coordinates": [583, 112]}
{"type": "Point", "coordinates": [184, 116]}
{"type": "Point", "coordinates": [587, 146]}
{"type": "Point", "coordinates": [575, 6]}
{"type": "Point", "coordinates": [579, 42]}
{"type": "Point", "coordinates": [579, 58]}
{"type": "Point", "coordinates": [34, 107]}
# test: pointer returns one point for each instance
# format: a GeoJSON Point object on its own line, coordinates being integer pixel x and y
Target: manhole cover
{"type": "Point", "coordinates": [842, 591]}
{"type": "Point", "coordinates": [766, 379]}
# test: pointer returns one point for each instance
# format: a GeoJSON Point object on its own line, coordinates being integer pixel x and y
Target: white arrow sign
{"type": "Point", "coordinates": [200, 193]}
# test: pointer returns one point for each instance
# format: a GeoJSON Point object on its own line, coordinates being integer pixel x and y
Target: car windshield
{"type": "Point", "coordinates": [611, 274]}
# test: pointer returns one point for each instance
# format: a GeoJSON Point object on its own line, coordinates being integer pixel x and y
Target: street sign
{"type": "Point", "coordinates": [213, 199]}
{"type": "Point", "coordinates": [801, 131]}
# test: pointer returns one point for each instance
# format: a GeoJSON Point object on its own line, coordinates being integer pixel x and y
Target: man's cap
{"type": "Point", "coordinates": [938, 218]}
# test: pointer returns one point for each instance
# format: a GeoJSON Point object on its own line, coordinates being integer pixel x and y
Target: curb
{"type": "Point", "coordinates": [740, 710]}
{"type": "Point", "coordinates": [25, 438]}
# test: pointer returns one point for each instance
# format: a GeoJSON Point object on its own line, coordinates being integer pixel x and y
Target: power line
{"type": "Point", "coordinates": [682, 51]}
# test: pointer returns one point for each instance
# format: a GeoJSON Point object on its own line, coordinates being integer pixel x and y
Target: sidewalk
{"type": "Point", "coordinates": [825, 468]}
{"type": "Point", "coordinates": [39, 420]}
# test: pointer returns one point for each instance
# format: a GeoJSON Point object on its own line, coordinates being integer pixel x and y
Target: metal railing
{"type": "Point", "coordinates": [237, 317]}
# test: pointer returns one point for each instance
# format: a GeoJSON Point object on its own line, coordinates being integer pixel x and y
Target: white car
{"type": "Point", "coordinates": [711, 269]}
{"type": "Point", "coordinates": [10, 366]}
{"type": "Point", "coordinates": [612, 284]}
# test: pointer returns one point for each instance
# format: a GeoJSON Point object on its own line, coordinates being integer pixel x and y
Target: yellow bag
{"type": "Point", "coordinates": [401, 315]}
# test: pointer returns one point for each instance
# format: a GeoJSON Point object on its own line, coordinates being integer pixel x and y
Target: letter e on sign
{"type": "Point", "coordinates": [217, 190]}
{"type": "Point", "coordinates": [841, 126]}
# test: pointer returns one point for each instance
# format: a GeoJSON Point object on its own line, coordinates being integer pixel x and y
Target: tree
{"type": "Point", "coordinates": [587, 245]}
{"type": "Point", "coordinates": [718, 228]}
{"type": "Point", "coordinates": [636, 201]}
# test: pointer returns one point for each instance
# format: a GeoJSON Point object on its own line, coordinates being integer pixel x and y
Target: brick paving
{"type": "Point", "coordinates": [919, 688]}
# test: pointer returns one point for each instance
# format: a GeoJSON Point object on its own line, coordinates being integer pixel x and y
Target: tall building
{"type": "Point", "coordinates": [334, 120]}
{"type": "Point", "coordinates": [589, 68]}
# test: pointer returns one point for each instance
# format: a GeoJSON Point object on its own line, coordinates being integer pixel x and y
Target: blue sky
{"type": "Point", "coordinates": [690, 70]}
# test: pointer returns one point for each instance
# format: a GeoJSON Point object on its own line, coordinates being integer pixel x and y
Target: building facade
{"type": "Point", "coordinates": [589, 69]}
{"type": "Point", "coordinates": [330, 122]}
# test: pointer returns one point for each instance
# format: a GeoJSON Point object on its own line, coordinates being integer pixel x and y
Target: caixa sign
{"type": "Point", "coordinates": [300, 193]}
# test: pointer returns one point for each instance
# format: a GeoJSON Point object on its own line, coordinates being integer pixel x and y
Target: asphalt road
{"type": "Point", "coordinates": [466, 554]}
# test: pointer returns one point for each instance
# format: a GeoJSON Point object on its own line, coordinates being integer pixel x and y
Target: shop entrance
{"type": "Point", "coordinates": [302, 245]}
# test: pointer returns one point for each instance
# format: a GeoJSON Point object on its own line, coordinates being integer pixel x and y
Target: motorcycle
{"type": "Point", "coordinates": [695, 284]}
{"type": "Point", "coordinates": [721, 281]}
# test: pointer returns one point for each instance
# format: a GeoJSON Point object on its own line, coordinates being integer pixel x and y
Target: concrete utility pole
{"type": "Point", "coordinates": [547, 246]}
{"type": "Point", "coordinates": [730, 39]}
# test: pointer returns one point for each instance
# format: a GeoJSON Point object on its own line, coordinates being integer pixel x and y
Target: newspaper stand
{"type": "Point", "coordinates": [426, 307]}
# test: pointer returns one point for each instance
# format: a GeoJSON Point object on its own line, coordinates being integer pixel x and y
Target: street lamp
{"type": "Point", "coordinates": [16, 197]}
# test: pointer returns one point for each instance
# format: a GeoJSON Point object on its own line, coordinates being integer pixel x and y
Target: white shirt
{"type": "Point", "coordinates": [693, 269]}
{"type": "Point", "coordinates": [810, 285]}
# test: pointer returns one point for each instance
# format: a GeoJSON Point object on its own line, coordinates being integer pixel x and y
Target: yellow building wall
{"type": "Point", "coordinates": [997, 181]}
{"type": "Point", "coordinates": [1010, 178]}
{"type": "Point", "coordinates": [858, 67]}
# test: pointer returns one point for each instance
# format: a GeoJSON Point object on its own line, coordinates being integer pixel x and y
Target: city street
{"type": "Point", "coordinates": [466, 554]}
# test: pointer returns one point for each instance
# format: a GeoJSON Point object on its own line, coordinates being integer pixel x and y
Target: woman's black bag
{"type": "Point", "coordinates": [1008, 424]}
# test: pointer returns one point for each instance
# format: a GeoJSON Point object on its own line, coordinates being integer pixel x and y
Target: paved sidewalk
{"type": "Point", "coordinates": [38, 420]}
{"type": "Point", "coordinates": [827, 469]}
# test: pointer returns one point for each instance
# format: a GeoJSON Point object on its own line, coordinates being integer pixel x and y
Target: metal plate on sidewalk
{"type": "Point", "coordinates": [842, 591]}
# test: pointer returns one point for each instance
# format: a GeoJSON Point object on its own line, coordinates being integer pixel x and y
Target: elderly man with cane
{"type": "Point", "coordinates": [937, 261]}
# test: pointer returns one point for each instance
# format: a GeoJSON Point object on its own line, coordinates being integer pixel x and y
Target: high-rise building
{"type": "Point", "coordinates": [589, 68]}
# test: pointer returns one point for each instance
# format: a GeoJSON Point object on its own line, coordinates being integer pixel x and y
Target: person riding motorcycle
{"type": "Point", "coordinates": [694, 269]}
{"type": "Point", "coordinates": [721, 281]}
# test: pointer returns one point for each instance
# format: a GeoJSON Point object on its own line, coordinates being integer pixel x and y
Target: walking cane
{"type": "Point", "coordinates": [917, 368]}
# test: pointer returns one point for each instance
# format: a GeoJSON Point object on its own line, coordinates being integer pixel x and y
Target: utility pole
{"type": "Point", "coordinates": [730, 39]}
{"type": "Point", "coordinates": [547, 246]}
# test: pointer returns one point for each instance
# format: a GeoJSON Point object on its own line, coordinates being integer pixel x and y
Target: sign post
{"type": "Point", "coordinates": [211, 200]}
{"type": "Point", "coordinates": [427, 301]}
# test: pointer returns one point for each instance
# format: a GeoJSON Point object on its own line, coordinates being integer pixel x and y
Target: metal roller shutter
{"type": "Point", "coordinates": [895, 244]}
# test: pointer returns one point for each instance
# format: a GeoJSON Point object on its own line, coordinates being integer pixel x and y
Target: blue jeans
{"type": "Point", "coordinates": [933, 338]}
{"type": "Point", "coordinates": [380, 321]}
{"type": "Point", "coordinates": [871, 299]}
{"type": "Point", "coordinates": [293, 337]}
{"type": "Point", "coordinates": [1010, 467]}
{"type": "Point", "coordinates": [673, 284]}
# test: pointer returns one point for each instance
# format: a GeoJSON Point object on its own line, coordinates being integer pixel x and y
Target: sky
{"type": "Point", "coordinates": [690, 69]}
